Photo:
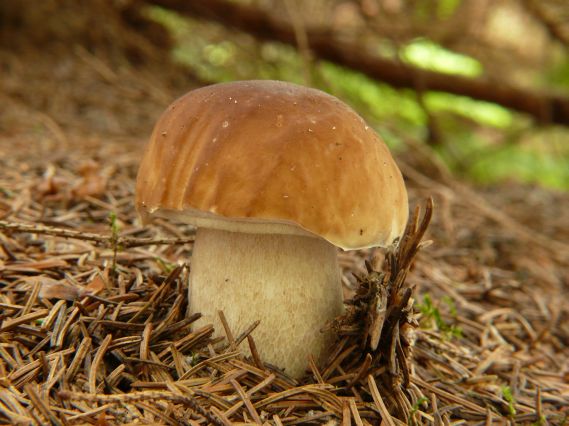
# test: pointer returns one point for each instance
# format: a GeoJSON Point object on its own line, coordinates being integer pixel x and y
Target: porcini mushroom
{"type": "Point", "coordinates": [274, 176]}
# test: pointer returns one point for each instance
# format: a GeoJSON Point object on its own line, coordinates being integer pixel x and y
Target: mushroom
{"type": "Point", "coordinates": [274, 176]}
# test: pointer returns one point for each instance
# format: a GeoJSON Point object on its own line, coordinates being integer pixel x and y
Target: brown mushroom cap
{"type": "Point", "coordinates": [272, 157]}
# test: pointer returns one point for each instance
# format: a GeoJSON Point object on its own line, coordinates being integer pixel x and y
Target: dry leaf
{"type": "Point", "coordinates": [52, 289]}
{"type": "Point", "coordinates": [62, 290]}
{"type": "Point", "coordinates": [102, 420]}
{"type": "Point", "coordinates": [96, 285]}
{"type": "Point", "coordinates": [93, 182]}
{"type": "Point", "coordinates": [51, 185]}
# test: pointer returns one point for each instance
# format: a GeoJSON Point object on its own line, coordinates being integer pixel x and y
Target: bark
{"type": "Point", "coordinates": [546, 108]}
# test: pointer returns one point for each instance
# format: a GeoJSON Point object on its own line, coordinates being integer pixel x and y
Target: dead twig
{"type": "Point", "coordinates": [107, 241]}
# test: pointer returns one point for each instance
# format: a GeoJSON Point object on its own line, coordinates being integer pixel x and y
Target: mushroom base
{"type": "Point", "coordinates": [290, 283]}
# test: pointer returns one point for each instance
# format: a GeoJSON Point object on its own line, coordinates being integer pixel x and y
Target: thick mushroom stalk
{"type": "Point", "coordinates": [291, 283]}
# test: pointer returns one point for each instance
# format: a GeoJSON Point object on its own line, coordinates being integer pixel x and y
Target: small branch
{"type": "Point", "coordinates": [141, 396]}
{"type": "Point", "coordinates": [104, 240]}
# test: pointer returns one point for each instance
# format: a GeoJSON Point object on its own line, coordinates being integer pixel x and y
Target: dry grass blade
{"type": "Point", "coordinates": [78, 359]}
{"type": "Point", "coordinates": [449, 396]}
{"type": "Point", "coordinates": [246, 401]}
{"type": "Point", "coordinates": [227, 329]}
{"type": "Point", "coordinates": [385, 416]}
{"type": "Point", "coordinates": [254, 353]}
{"type": "Point", "coordinates": [355, 412]}
{"type": "Point", "coordinates": [97, 360]}
{"type": "Point", "coordinates": [10, 324]}
{"type": "Point", "coordinates": [194, 405]}
{"type": "Point", "coordinates": [41, 405]}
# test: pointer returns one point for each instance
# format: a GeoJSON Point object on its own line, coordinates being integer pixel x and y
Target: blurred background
{"type": "Point", "coordinates": [474, 89]}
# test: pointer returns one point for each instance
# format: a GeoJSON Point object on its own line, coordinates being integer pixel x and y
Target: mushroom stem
{"type": "Point", "coordinates": [290, 283]}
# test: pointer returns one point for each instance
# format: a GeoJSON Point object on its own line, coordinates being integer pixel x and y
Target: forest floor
{"type": "Point", "coordinates": [93, 327]}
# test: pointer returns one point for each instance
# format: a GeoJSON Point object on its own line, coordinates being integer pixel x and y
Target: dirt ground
{"type": "Point", "coordinates": [491, 290]}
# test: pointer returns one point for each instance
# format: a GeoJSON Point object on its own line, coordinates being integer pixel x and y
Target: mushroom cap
{"type": "Point", "coordinates": [272, 157]}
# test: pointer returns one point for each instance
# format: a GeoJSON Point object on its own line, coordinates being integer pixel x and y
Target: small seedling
{"type": "Point", "coordinates": [114, 225]}
{"type": "Point", "coordinates": [447, 300]}
{"type": "Point", "coordinates": [167, 267]}
{"type": "Point", "coordinates": [507, 394]}
{"type": "Point", "coordinates": [542, 421]}
{"type": "Point", "coordinates": [564, 419]}
{"type": "Point", "coordinates": [6, 192]}
{"type": "Point", "coordinates": [433, 316]}
{"type": "Point", "coordinates": [193, 359]}
{"type": "Point", "coordinates": [416, 406]}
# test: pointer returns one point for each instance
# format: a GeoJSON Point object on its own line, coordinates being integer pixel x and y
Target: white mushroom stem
{"type": "Point", "coordinates": [290, 283]}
